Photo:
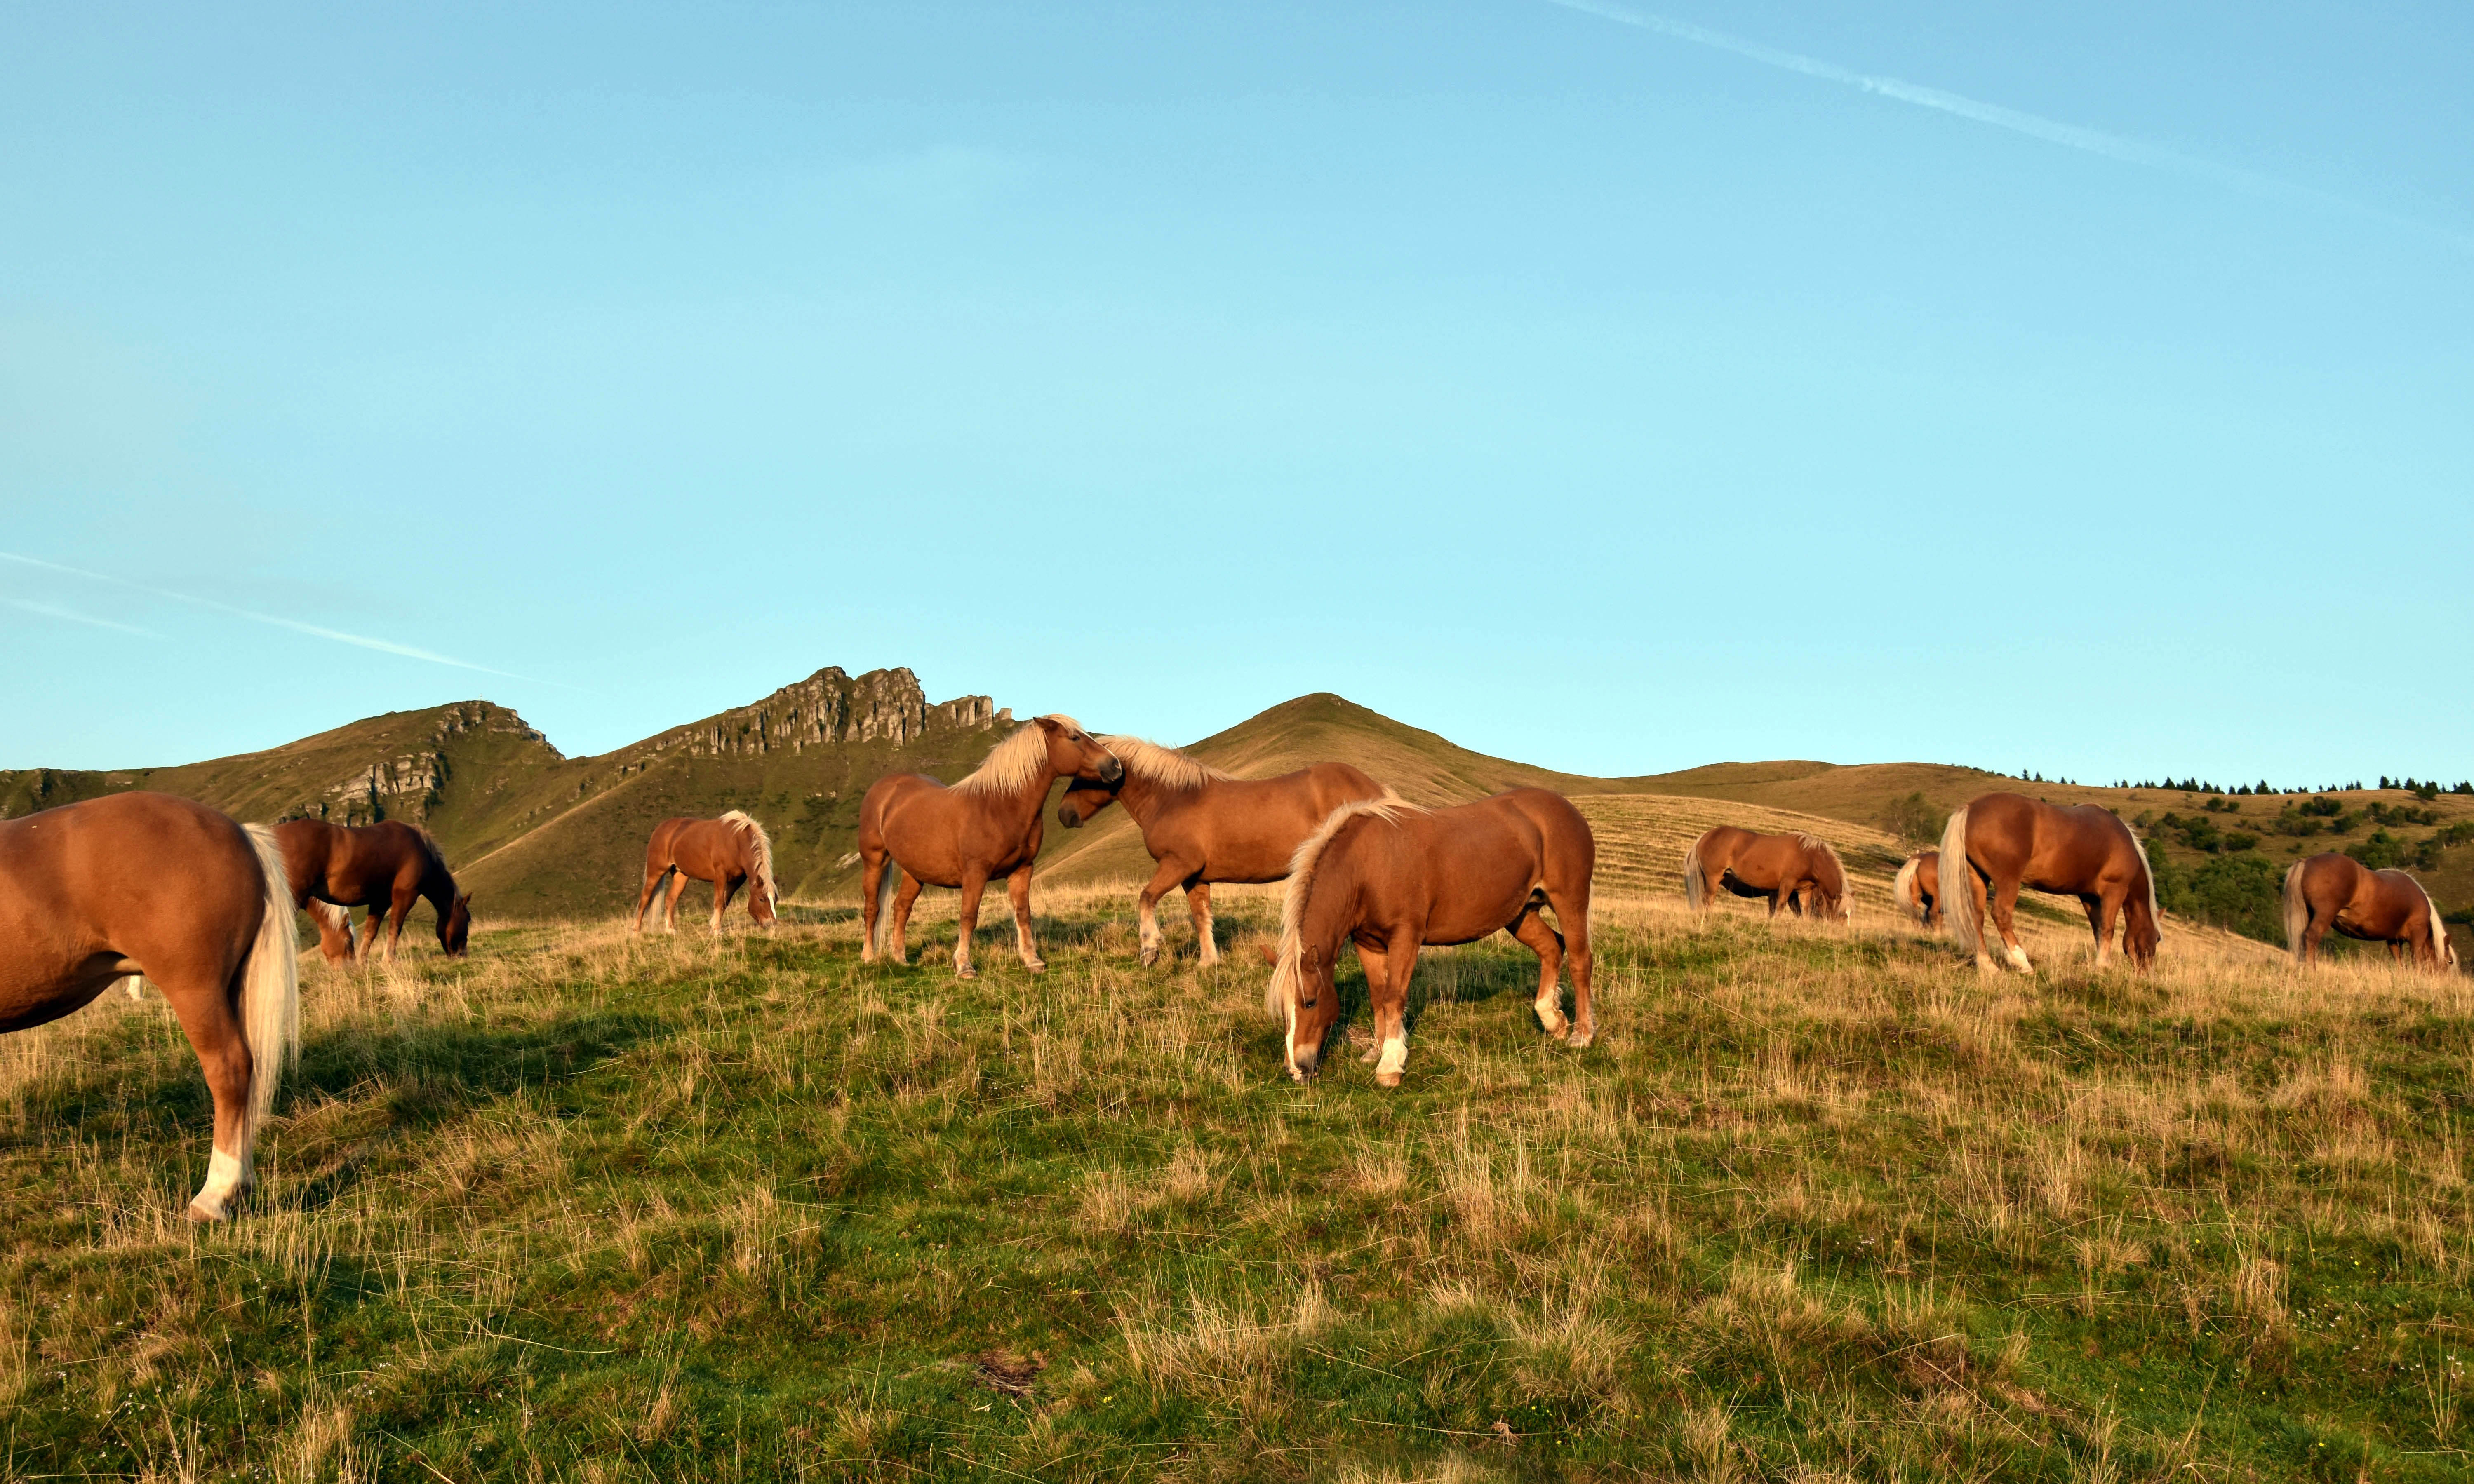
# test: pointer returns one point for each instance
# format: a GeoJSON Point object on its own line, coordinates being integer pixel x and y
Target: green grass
{"type": "Point", "coordinates": [1819, 1205]}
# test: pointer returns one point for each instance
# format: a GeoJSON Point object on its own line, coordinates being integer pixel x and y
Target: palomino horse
{"type": "Point", "coordinates": [1201, 825]}
{"type": "Point", "coordinates": [1796, 872]}
{"type": "Point", "coordinates": [385, 867]}
{"type": "Point", "coordinates": [1917, 886]}
{"type": "Point", "coordinates": [728, 853]}
{"type": "Point", "coordinates": [1393, 878]}
{"type": "Point", "coordinates": [918, 832]}
{"type": "Point", "coordinates": [149, 884]}
{"type": "Point", "coordinates": [1998, 842]}
{"type": "Point", "coordinates": [2375, 906]}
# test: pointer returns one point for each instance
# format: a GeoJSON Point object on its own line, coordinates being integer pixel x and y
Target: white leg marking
{"type": "Point", "coordinates": [136, 985]}
{"type": "Point", "coordinates": [1550, 1012]}
{"type": "Point", "coordinates": [1209, 946]}
{"type": "Point", "coordinates": [1150, 932]}
{"type": "Point", "coordinates": [1396, 1056]}
{"type": "Point", "coordinates": [214, 1200]}
{"type": "Point", "coordinates": [2018, 957]}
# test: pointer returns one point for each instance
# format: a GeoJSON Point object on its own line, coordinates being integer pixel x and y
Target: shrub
{"type": "Point", "coordinates": [2240, 892]}
{"type": "Point", "coordinates": [2380, 851]}
{"type": "Point", "coordinates": [1915, 820]}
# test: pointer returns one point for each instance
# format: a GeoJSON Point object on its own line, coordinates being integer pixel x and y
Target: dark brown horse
{"type": "Point", "coordinates": [1998, 843]}
{"type": "Point", "coordinates": [147, 884]}
{"type": "Point", "coordinates": [1202, 826]}
{"type": "Point", "coordinates": [915, 831]}
{"type": "Point", "coordinates": [1800, 872]}
{"type": "Point", "coordinates": [730, 852]}
{"type": "Point", "coordinates": [1393, 877]}
{"type": "Point", "coordinates": [385, 867]}
{"type": "Point", "coordinates": [2339, 892]}
{"type": "Point", "coordinates": [1917, 886]}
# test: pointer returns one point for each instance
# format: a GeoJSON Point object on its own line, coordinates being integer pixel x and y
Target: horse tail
{"type": "Point", "coordinates": [2147, 872]}
{"type": "Point", "coordinates": [2440, 956]}
{"type": "Point", "coordinates": [270, 990]}
{"type": "Point", "coordinates": [2297, 911]}
{"type": "Point", "coordinates": [1694, 889]}
{"type": "Point", "coordinates": [887, 883]}
{"type": "Point", "coordinates": [1286, 967]}
{"type": "Point", "coordinates": [1957, 883]}
{"type": "Point", "coordinates": [760, 850]}
{"type": "Point", "coordinates": [1844, 891]}
{"type": "Point", "coordinates": [1903, 886]}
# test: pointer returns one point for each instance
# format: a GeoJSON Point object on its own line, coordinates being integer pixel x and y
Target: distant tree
{"type": "Point", "coordinates": [1914, 819]}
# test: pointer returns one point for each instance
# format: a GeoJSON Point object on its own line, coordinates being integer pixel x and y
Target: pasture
{"type": "Point", "coordinates": [1821, 1203]}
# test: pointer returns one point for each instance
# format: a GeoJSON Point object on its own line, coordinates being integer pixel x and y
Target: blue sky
{"type": "Point", "coordinates": [1591, 388]}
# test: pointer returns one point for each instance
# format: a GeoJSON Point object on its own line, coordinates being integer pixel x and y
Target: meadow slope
{"type": "Point", "coordinates": [1822, 1203]}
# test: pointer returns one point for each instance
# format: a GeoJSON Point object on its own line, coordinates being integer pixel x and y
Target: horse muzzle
{"type": "Point", "coordinates": [1112, 772]}
{"type": "Point", "coordinates": [1066, 817]}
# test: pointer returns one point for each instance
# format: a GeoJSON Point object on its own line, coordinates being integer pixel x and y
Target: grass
{"type": "Point", "coordinates": [1820, 1204]}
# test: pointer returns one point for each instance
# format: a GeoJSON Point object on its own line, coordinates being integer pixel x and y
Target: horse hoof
{"type": "Point", "coordinates": [1581, 1039]}
{"type": "Point", "coordinates": [198, 1215]}
{"type": "Point", "coordinates": [1036, 966]}
{"type": "Point", "coordinates": [1372, 1053]}
{"type": "Point", "coordinates": [1387, 1079]}
{"type": "Point", "coordinates": [966, 972]}
{"type": "Point", "coordinates": [1150, 956]}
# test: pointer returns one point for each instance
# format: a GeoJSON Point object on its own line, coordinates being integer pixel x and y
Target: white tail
{"type": "Point", "coordinates": [2442, 956]}
{"type": "Point", "coordinates": [2297, 912]}
{"type": "Point", "coordinates": [270, 991]}
{"type": "Point", "coordinates": [1693, 887]}
{"type": "Point", "coordinates": [886, 886]}
{"type": "Point", "coordinates": [1902, 888]}
{"type": "Point", "coordinates": [1958, 884]}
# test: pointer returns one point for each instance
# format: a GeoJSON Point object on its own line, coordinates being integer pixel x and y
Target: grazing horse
{"type": "Point", "coordinates": [915, 831]}
{"type": "Point", "coordinates": [2375, 906]}
{"type": "Point", "coordinates": [1795, 872]}
{"type": "Point", "coordinates": [728, 853]}
{"type": "Point", "coordinates": [1201, 825]}
{"type": "Point", "coordinates": [1998, 843]}
{"type": "Point", "coordinates": [385, 867]}
{"type": "Point", "coordinates": [147, 884]}
{"type": "Point", "coordinates": [1917, 886]}
{"type": "Point", "coordinates": [1393, 878]}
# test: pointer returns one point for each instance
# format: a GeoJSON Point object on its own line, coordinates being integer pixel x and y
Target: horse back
{"type": "Point", "coordinates": [937, 834]}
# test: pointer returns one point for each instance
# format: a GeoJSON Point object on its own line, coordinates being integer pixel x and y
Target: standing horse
{"type": "Point", "coordinates": [1998, 843]}
{"type": "Point", "coordinates": [1393, 878]}
{"type": "Point", "coordinates": [1917, 886]}
{"type": "Point", "coordinates": [1795, 872]}
{"type": "Point", "coordinates": [915, 831]}
{"type": "Point", "coordinates": [2374, 906]}
{"type": "Point", "coordinates": [385, 867]}
{"type": "Point", "coordinates": [147, 884]}
{"type": "Point", "coordinates": [1202, 826]}
{"type": "Point", "coordinates": [728, 853]}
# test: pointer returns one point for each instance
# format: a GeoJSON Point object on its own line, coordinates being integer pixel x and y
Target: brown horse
{"type": "Point", "coordinates": [1795, 872]}
{"type": "Point", "coordinates": [915, 831]}
{"type": "Point", "coordinates": [147, 884]}
{"type": "Point", "coordinates": [2003, 842]}
{"type": "Point", "coordinates": [385, 867]}
{"type": "Point", "coordinates": [2375, 906]}
{"type": "Point", "coordinates": [728, 853]}
{"type": "Point", "coordinates": [1202, 826]}
{"type": "Point", "coordinates": [1917, 886]}
{"type": "Point", "coordinates": [1393, 878]}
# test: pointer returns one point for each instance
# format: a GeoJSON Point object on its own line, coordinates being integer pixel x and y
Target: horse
{"type": "Point", "coordinates": [385, 867]}
{"type": "Point", "coordinates": [915, 831]}
{"type": "Point", "coordinates": [2339, 892]}
{"type": "Point", "coordinates": [728, 853]}
{"type": "Point", "coordinates": [1202, 826]}
{"type": "Point", "coordinates": [2003, 842]}
{"type": "Point", "coordinates": [1393, 878]}
{"type": "Point", "coordinates": [1795, 872]}
{"type": "Point", "coordinates": [1917, 886]}
{"type": "Point", "coordinates": [95, 893]}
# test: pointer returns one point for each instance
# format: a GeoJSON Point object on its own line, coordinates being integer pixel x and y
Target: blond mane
{"type": "Point", "coordinates": [760, 847]}
{"type": "Point", "coordinates": [1012, 763]}
{"type": "Point", "coordinates": [1846, 892]}
{"type": "Point", "coordinates": [1162, 765]}
{"type": "Point", "coordinates": [1282, 989]}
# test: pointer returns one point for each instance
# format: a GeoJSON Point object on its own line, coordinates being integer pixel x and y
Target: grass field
{"type": "Point", "coordinates": [1820, 1205]}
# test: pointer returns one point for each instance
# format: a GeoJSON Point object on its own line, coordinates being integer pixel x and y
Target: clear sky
{"type": "Point", "coordinates": [2087, 389]}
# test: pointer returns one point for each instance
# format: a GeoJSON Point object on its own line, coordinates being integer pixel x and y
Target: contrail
{"type": "Point", "coordinates": [49, 611]}
{"type": "Point", "coordinates": [2094, 141]}
{"type": "Point", "coordinates": [359, 640]}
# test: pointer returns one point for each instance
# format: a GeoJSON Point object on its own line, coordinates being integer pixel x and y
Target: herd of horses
{"type": "Point", "coordinates": [142, 887]}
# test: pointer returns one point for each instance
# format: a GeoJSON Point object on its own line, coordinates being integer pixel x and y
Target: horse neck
{"type": "Point", "coordinates": [1143, 798]}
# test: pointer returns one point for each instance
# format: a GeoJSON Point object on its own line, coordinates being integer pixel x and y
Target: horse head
{"type": "Point", "coordinates": [1082, 800]}
{"type": "Point", "coordinates": [1074, 754]}
{"type": "Point", "coordinates": [1304, 980]}
{"type": "Point", "coordinates": [456, 926]}
{"type": "Point", "coordinates": [759, 905]}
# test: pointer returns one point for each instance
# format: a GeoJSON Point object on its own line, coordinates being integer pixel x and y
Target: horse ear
{"type": "Point", "coordinates": [463, 899]}
{"type": "Point", "coordinates": [1312, 958]}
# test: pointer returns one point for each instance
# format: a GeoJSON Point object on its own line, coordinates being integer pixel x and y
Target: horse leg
{"type": "Point", "coordinates": [1198, 900]}
{"type": "Point", "coordinates": [2005, 900]}
{"type": "Point", "coordinates": [2312, 931]}
{"type": "Point", "coordinates": [725, 886]}
{"type": "Point", "coordinates": [404, 898]}
{"type": "Point", "coordinates": [644, 898]}
{"type": "Point", "coordinates": [209, 1016]}
{"type": "Point", "coordinates": [1377, 973]}
{"type": "Point", "coordinates": [1391, 1003]}
{"type": "Point", "coordinates": [1535, 935]}
{"type": "Point", "coordinates": [1018, 893]}
{"type": "Point", "coordinates": [1580, 962]}
{"type": "Point", "coordinates": [1170, 873]}
{"type": "Point", "coordinates": [670, 901]}
{"type": "Point", "coordinates": [871, 879]}
{"type": "Point", "coordinates": [905, 893]}
{"type": "Point", "coordinates": [975, 881]}
{"type": "Point", "coordinates": [370, 923]}
{"type": "Point", "coordinates": [2100, 924]}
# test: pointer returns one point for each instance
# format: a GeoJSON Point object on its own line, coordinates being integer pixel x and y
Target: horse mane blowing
{"type": "Point", "coordinates": [1162, 765]}
{"type": "Point", "coordinates": [1301, 875]}
{"type": "Point", "coordinates": [1840, 889]}
{"type": "Point", "coordinates": [1012, 763]}
{"type": "Point", "coordinates": [759, 846]}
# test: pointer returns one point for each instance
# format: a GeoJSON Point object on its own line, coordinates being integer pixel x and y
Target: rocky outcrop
{"type": "Point", "coordinates": [831, 707]}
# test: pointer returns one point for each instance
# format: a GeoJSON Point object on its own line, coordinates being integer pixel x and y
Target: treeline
{"type": "Point", "coordinates": [2426, 789]}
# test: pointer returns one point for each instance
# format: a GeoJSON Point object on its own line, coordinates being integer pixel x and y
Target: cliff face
{"type": "Point", "coordinates": [409, 785]}
{"type": "Point", "coordinates": [828, 706]}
